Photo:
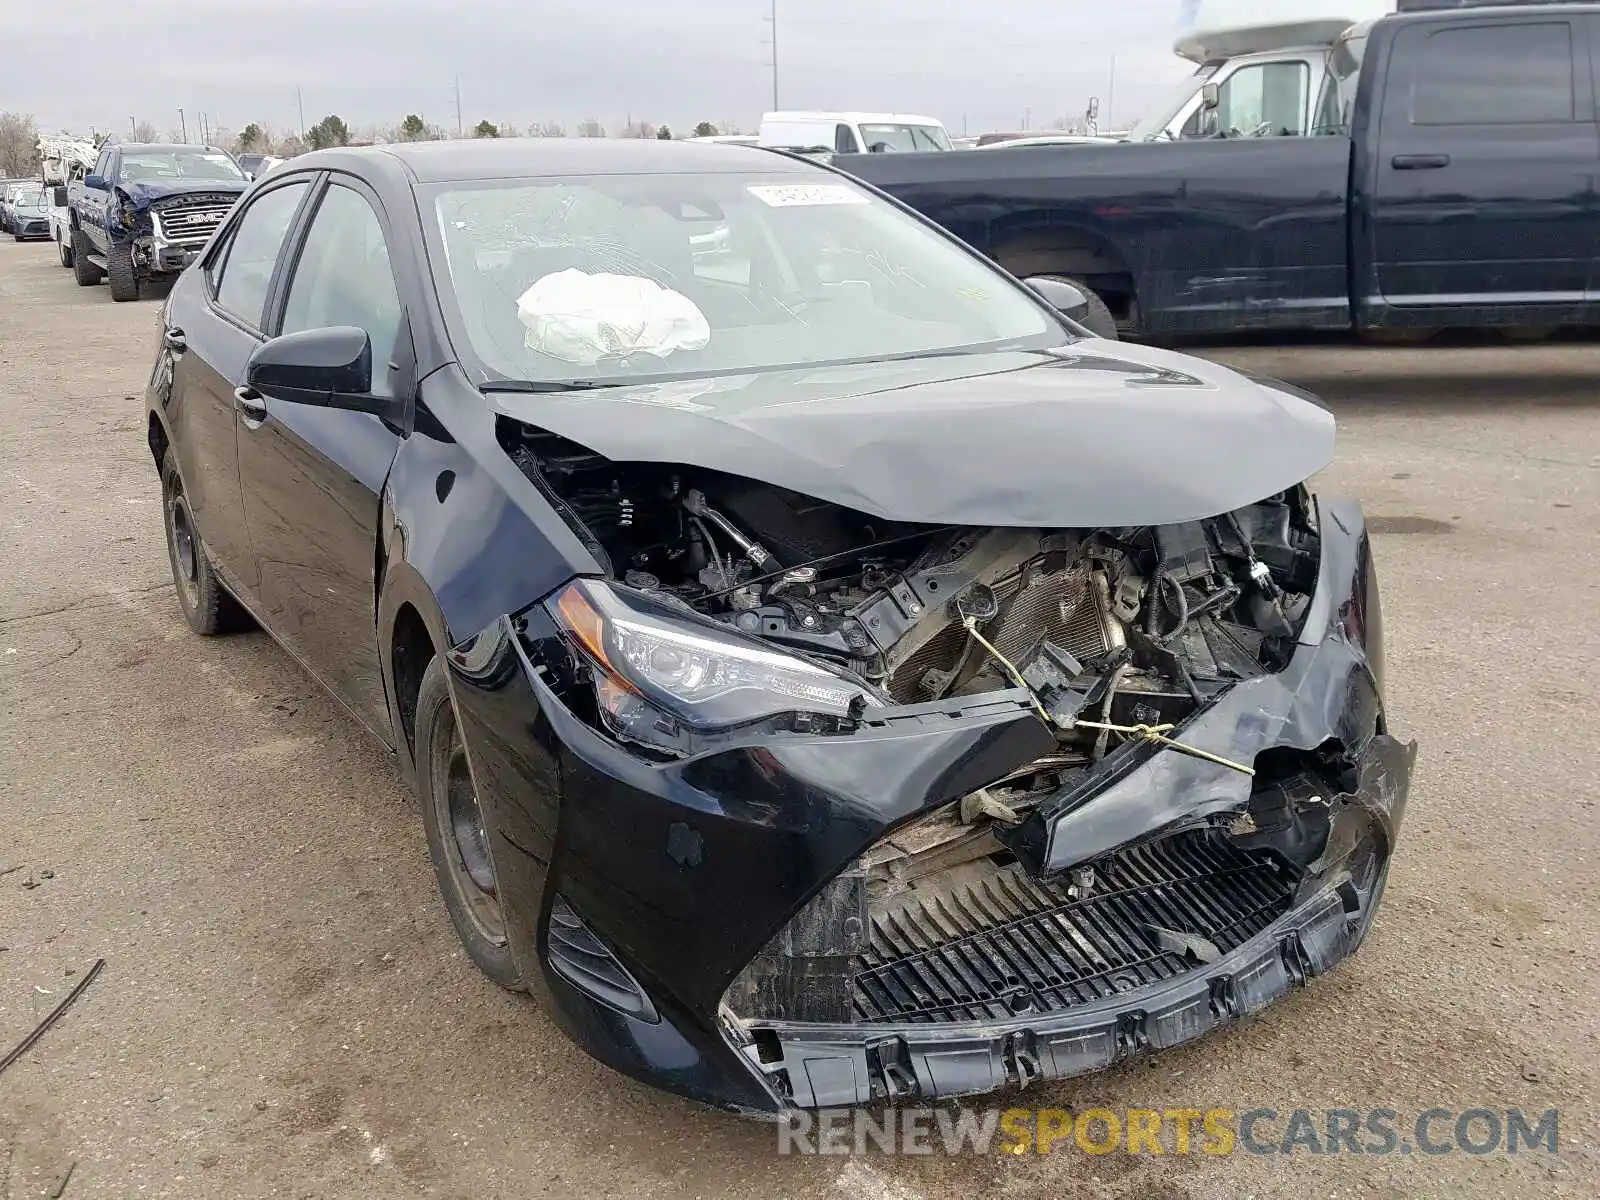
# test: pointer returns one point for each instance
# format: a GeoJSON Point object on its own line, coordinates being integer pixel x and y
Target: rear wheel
{"type": "Point", "coordinates": [458, 840]}
{"type": "Point", "coordinates": [63, 251]}
{"type": "Point", "coordinates": [84, 271]}
{"type": "Point", "coordinates": [121, 275]}
{"type": "Point", "coordinates": [206, 604]}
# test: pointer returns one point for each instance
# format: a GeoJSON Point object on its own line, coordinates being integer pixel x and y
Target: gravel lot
{"type": "Point", "coordinates": [284, 1010]}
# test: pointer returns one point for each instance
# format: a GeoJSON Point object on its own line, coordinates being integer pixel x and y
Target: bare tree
{"type": "Point", "coordinates": [289, 146]}
{"type": "Point", "coordinates": [19, 144]}
{"type": "Point", "coordinates": [591, 128]}
{"type": "Point", "coordinates": [638, 129]}
{"type": "Point", "coordinates": [552, 129]}
{"type": "Point", "coordinates": [144, 131]}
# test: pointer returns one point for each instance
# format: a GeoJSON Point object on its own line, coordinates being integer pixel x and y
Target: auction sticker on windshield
{"type": "Point", "coordinates": [785, 195]}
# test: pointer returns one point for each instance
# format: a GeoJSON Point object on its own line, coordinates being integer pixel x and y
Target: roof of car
{"type": "Point", "coordinates": [164, 147]}
{"type": "Point", "coordinates": [513, 158]}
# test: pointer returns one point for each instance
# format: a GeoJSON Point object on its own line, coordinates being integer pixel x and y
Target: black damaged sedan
{"type": "Point", "coordinates": [827, 673]}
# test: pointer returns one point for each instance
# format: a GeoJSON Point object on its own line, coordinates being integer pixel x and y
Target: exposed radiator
{"type": "Point", "coordinates": [1059, 605]}
{"type": "Point", "coordinates": [1006, 945]}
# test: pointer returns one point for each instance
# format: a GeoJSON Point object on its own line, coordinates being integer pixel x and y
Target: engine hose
{"type": "Point", "coordinates": [1152, 622]}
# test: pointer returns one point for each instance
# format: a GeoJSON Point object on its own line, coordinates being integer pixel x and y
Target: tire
{"type": "Point", "coordinates": [1404, 335]}
{"type": "Point", "coordinates": [1522, 335]}
{"type": "Point", "coordinates": [206, 604]}
{"type": "Point", "coordinates": [454, 825]}
{"type": "Point", "coordinates": [84, 271]}
{"type": "Point", "coordinates": [120, 274]}
{"type": "Point", "coordinates": [1098, 320]}
{"type": "Point", "coordinates": [64, 253]}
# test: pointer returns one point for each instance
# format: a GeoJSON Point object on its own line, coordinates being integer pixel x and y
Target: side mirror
{"type": "Point", "coordinates": [58, 197]}
{"type": "Point", "coordinates": [96, 183]}
{"type": "Point", "coordinates": [329, 367]}
{"type": "Point", "coordinates": [1060, 295]}
{"type": "Point", "coordinates": [1210, 97]}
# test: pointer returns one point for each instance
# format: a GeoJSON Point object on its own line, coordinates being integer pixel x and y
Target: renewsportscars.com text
{"type": "Point", "coordinates": [1212, 1131]}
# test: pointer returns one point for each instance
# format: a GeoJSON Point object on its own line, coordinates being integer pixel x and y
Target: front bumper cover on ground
{"type": "Point", "coordinates": [672, 877]}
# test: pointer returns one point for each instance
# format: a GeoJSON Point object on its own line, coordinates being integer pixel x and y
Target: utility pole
{"type": "Point", "coordinates": [300, 105]}
{"type": "Point", "coordinates": [1111, 91]}
{"type": "Point", "coordinates": [133, 129]}
{"type": "Point", "coordinates": [458, 107]}
{"type": "Point", "coordinates": [183, 126]}
{"type": "Point", "coordinates": [772, 16]}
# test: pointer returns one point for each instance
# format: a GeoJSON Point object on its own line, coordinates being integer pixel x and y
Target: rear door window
{"type": "Point", "coordinates": [1503, 74]}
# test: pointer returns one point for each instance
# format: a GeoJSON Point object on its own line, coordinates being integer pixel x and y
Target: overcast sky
{"type": "Point", "coordinates": [98, 62]}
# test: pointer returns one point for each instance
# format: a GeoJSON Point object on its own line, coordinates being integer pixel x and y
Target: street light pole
{"type": "Point", "coordinates": [183, 126]}
{"type": "Point", "coordinates": [772, 16]}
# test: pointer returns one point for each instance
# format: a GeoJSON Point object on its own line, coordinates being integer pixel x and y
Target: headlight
{"type": "Point", "coordinates": [655, 669]}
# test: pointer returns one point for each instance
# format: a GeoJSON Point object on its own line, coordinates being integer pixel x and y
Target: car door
{"type": "Point", "coordinates": [313, 477]}
{"type": "Point", "coordinates": [1483, 193]}
{"type": "Point", "coordinates": [93, 212]}
{"type": "Point", "coordinates": [213, 325]}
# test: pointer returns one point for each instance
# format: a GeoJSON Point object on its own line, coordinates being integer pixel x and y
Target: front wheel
{"type": "Point", "coordinates": [458, 840]}
{"type": "Point", "coordinates": [121, 275]}
{"type": "Point", "coordinates": [206, 604]}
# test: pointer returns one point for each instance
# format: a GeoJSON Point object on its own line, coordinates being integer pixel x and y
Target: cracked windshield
{"type": "Point", "coordinates": [667, 275]}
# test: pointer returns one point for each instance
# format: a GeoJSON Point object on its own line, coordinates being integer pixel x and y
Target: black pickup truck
{"type": "Point", "coordinates": [1454, 184]}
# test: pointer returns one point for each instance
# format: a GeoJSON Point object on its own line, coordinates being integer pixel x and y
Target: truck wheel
{"type": "Point", "coordinates": [123, 278]}
{"type": "Point", "coordinates": [1098, 319]}
{"type": "Point", "coordinates": [1403, 335]}
{"type": "Point", "coordinates": [63, 252]}
{"type": "Point", "coordinates": [84, 271]}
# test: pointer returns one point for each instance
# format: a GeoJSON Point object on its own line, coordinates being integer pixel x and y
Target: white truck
{"type": "Point", "coordinates": [1260, 66]}
{"type": "Point", "coordinates": [852, 132]}
{"type": "Point", "coordinates": [63, 159]}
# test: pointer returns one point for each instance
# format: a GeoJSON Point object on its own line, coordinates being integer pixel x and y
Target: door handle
{"type": "Point", "coordinates": [174, 340]}
{"type": "Point", "coordinates": [251, 403]}
{"type": "Point", "coordinates": [1419, 162]}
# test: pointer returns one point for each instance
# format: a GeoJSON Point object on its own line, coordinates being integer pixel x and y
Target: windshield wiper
{"type": "Point", "coordinates": [547, 385]}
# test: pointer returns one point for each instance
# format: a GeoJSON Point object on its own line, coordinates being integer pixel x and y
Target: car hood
{"type": "Point", "coordinates": [1096, 434]}
{"type": "Point", "coordinates": [148, 191]}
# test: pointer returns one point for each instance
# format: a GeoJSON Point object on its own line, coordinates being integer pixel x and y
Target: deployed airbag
{"type": "Point", "coordinates": [581, 318]}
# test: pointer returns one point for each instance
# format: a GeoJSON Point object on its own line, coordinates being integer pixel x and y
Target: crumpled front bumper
{"type": "Point", "coordinates": [154, 254]}
{"type": "Point", "coordinates": [824, 1067]}
{"type": "Point", "coordinates": [671, 877]}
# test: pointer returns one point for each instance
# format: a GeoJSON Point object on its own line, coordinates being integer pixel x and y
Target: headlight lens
{"type": "Point", "coordinates": [650, 664]}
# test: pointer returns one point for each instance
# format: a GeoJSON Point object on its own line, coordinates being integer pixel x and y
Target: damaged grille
{"type": "Point", "coordinates": [192, 220]}
{"type": "Point", "coordinates": [1005, 945]}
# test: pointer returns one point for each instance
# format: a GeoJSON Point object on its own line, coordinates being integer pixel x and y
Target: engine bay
{"type": "Point", "coordinates": [1102, 627]}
